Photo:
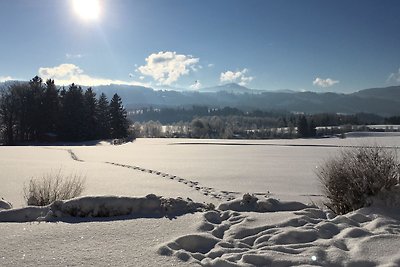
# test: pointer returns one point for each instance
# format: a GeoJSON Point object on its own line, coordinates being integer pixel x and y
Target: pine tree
{"type": "Point", "coordinates": [9, 113]}
{"type": "Point", "coordinates": [72, 114]}
{"type": "Point", "coordinates": [103, 118]}
{"type": "Point", "coordinates": [90, 114]}
{"type": "Point", "coordinates": [312, 131]}
{"type": "Point", "coordinates": [118, 122]}
{"type": "Point", "coordinates": [302, 126]}
{"type": "Point", "coordinates": [51, 107]}
{"type": "Point", "coordinates": [36, 115]}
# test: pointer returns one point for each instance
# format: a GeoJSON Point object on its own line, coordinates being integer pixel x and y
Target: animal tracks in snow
{"type": "Point", "coordinates": [70, 152]}
{"type": "Point", "coordinates": [207, 191]}
{"type": "Point", "coordinates": [73, 155]}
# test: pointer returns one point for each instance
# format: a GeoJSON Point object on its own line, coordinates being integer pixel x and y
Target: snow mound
{"type": "Point", "coordinates": [27, 214]}
{"type": "Point", "coordinates": [5, 205]}
{"type": "Point", "coordinates": [105, 206]}
{"type": "Point", "coordinates": [302, 236]}
{"type": "Point", "coordinates": [252, 203]}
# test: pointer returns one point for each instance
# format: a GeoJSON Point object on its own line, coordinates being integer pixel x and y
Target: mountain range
{"type": "Point", "coordinates": [382, 101]}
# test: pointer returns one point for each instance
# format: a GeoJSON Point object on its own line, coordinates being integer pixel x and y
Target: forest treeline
{"type": "Point", "coordinates": [273, 118]}
{"type": "Point", "coordinates": [37, 111]}
{"type": "Point", "coordinates": [205, 122]}
{"type": "Point", "coordinates": [232, 127]}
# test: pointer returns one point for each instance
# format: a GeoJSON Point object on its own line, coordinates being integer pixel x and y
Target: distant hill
{"type": "Point", "coordinates": [382, 101]}
{"type": "Point", "coordinates": [390, 93]}
{"type": "Point", "coordinates": [232, 88]}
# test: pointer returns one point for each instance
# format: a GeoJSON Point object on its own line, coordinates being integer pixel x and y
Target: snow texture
{"type": "Point", "coordinates": [254, 230]}
{"type": "Point", "coordinates": [104, 206]}
{"type": "Point", "coordinates": [252, 203]}
{"type": "Point", "coordinates": [302, 236]}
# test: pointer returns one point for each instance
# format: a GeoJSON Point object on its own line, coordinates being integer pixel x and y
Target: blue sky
{"type": "Point", "coordinates": [315, 45]}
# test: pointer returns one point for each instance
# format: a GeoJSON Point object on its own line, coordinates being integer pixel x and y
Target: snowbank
{"type": "Point", "coordinates": [104, 206]}
{"type": "Point", "coordinates": [252, 231]}
{"type": "Point", "coordinates": [27, 214]}
{"type": "Point", "coordinates": [252, 203]}
{"type": "Point", "coordinates": [292, 234]}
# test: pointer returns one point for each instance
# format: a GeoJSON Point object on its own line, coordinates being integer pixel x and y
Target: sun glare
{"type": "Point", "coordinates": [87, 9]}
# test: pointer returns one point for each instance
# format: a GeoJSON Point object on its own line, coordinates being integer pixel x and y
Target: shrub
{"type": "Point", "coordinates": [53, 186]}
{"type": "Point", "coordinates": [348, 180]}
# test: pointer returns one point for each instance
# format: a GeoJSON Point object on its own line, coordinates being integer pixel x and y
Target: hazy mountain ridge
{"type": "Point", "coordinates": [383, 101]}
{"type": "Point", "coordinates": [390, 93]}
{"type": "Point", "coordinates": [233, 88]}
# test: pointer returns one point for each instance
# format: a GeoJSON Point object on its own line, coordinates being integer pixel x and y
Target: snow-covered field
{"type": "Point", "coordinates": [275, 230]}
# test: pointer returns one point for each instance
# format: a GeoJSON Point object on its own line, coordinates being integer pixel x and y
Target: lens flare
{"type": "Point", "coordinates": [87, 9]}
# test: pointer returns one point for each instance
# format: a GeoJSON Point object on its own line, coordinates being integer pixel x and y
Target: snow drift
{"type": "Point", "coordinates": [252, 231]}
{"type": "Point", "coordinates": [104, 206]}
{"type": "Point", "coordinates": [289, 234]}
{"type": "Point", "coordinates": [252, 203]}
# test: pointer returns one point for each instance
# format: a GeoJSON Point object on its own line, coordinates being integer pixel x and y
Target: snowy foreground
{"type": "Point", "coordinates": [272, 226]}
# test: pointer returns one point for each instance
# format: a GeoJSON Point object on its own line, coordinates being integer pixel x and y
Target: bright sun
{"type": "Point", "coordinates": [87, 9]}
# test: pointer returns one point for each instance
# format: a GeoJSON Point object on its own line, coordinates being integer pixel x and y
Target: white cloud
{"type": "Point", "coordinates": [6, 78]}
{"type": "Point", "coordinates": [394, 77]}
{"type": "Point", "coordinates": [210, 65]}
{"type": "Point", "coordinates": [69, 56]}
{"type": "Point", "coordinates": [167, 67]}
{"type": "Point", "coordinates": [237, 77]}
{"type": "Point", "coordinates": [65, 74]}
{"type": "Point", "coordinates": [324, 82]}
{"type": "Point", "coordinates": [196, 85]}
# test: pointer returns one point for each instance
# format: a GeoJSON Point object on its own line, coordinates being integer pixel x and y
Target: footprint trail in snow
{"type": "Point", "coordinates": [207, 191]}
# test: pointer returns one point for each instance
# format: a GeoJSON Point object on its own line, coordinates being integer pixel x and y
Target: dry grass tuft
{"type": "Point", "coordinates": [53, 186]}
{"type": "Point", "coordinates": [349, 179]}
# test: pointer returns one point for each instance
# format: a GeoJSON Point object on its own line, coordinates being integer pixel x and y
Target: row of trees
{"type": "Point", "coordinates": [38, 111]}
{"type": "Point", "coordinates": [238, 126]}
{"type": "Point", "coordinates": [206, 122]}
{"type": "Point", "coordinates": [226, 127]}
{"type": "Point", "coordinates": [277, 118]}
{"type": "Point", "coordinates": [252, 127]}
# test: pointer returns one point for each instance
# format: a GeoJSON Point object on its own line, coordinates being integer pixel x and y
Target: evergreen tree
{"type": "Point", "coordinates": [103, 118]}
{"type": "Point", "coordinates": [51, 107]}
{"type": "Point", "coordinates": [312, 131]}
{"type": "Point", "coordinates": [36, 115]}
{"type": "Point", "coordinates": [118, 122]}
{"type": "Point", "coordinates": [9, 113]}
{"type": "Point", "coordinates": [90, 114]}
{"type": "Point", "coordinates": [72, 128]}
{"type": "Point", "coordinates": [302, 126]}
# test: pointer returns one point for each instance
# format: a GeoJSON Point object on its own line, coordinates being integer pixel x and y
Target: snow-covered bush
{"type": "Point", "coordinates": [53, 186]}
{"type": "Point", "coordinates": [357, 174]}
